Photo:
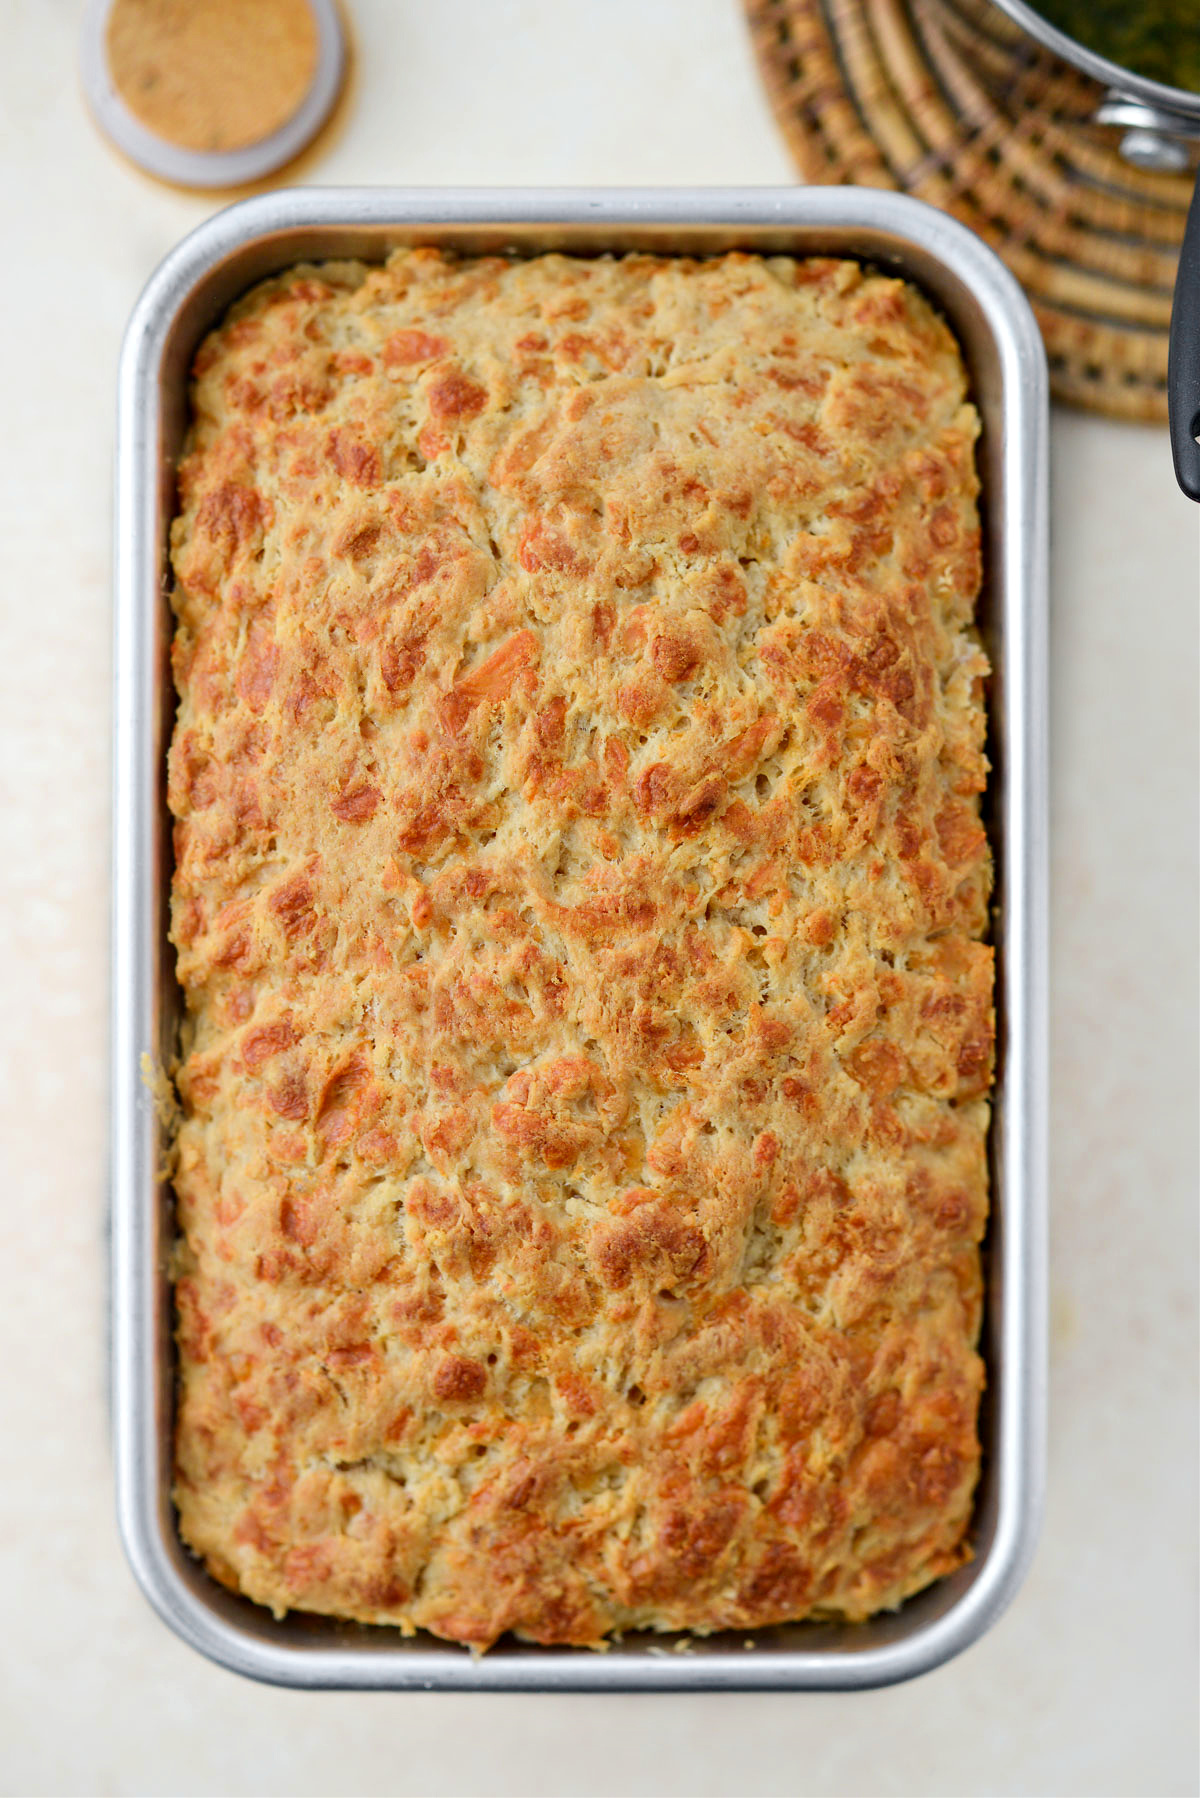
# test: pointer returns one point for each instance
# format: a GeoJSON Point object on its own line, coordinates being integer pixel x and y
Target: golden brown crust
{"type": "Point", "coordinates": [578, 899]}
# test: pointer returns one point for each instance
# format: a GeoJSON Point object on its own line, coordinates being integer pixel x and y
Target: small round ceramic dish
{"type": "Point", "coordinates": [232, 167]}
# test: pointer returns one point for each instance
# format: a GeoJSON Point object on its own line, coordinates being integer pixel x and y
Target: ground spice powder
{"type": "Point", "coordinates": [212, 75]}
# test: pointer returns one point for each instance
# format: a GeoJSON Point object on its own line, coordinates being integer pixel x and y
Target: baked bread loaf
{"type": "Point", "coordinates": [578, 899]}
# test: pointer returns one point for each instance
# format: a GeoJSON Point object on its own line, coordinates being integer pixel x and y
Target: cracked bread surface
{"type": "Point", "coordinates": [579, 898]}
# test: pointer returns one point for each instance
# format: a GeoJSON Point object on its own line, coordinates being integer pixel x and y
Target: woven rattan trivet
{"type": "Point", "coordinates": [947, 100]}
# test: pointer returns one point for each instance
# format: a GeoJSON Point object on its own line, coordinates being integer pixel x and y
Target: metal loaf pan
{"type": "Point", "coordinates": [994, 324]}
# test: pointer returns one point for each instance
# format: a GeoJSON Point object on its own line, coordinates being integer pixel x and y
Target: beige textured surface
{"type": "Point", "coordinates": [1088, 1685]}
{"type": "Point", "coordinates": [579, 884]}
{"type": "Point", "coordinates": [192, 72]}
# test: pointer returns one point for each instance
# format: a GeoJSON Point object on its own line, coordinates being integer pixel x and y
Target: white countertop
{"type": "Point", "coordinates": [1088, 1684]}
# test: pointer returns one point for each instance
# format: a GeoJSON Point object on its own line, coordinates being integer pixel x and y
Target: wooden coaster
{"type": "Point", "coordinates": [948, 100]}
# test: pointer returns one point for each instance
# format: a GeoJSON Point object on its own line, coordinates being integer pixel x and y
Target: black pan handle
{"type": "Point", "coordinates": [1183, 357]}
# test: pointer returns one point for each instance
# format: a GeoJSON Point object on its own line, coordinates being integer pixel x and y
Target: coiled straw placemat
{"type": "Point", "coordinates": [947, 100]}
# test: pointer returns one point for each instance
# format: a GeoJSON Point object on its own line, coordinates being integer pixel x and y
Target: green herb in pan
{"type": "Point", "coordinates": [1159, 39]}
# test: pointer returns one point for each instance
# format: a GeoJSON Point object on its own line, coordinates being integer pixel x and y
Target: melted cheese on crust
{"type": "Point", "coordinates": [578, 899]}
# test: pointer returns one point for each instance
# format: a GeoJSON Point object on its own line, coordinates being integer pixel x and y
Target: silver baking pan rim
{"type": "Point", "coordinates": [992, 319]}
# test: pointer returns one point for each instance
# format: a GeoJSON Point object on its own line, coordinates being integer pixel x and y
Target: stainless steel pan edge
{"type": "Point", "coordinates": [993, 319]}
